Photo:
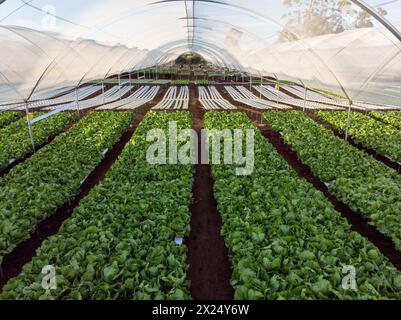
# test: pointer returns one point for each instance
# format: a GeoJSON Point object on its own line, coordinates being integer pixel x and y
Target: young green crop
{"type": "Point", "coordinates": [180, 82]}
{"type": "Point", "coordinates": [35, 189]}
{"type": "Point", "coordinates": [365, 184]}
{"type": "Point", "coordinates": [373, 134]}
{"type": "Point", "coordinates": [15, 141]}
{"type": "Point", "coordinates": [119, 241]}
{"type": "Point", "coordinates": [203, 82]}
{"type": "Point", "coordinates": [389, 119]}
{"type": "Point", "coordinates": [285, 239]}
{"type": "Point", "coordinates": [8, 117]}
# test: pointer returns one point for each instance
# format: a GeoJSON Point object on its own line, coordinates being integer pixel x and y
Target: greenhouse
{"type": "Point", "coordinates": [200, 150]}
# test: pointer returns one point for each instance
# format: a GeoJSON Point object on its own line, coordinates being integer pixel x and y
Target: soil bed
{"type": "Point", "coordinates": [209, 267]}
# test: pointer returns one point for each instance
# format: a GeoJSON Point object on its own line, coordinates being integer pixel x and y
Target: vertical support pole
{"type": "Point", "coordinates": [77, 103]}
{"type": "Point", "coordinates": [119, 86]}
{"type": "Point", "coordinates": [278, 90]}
{"type": "Point", "coordinates": [250, 82]}
{"type": "Point", "coordinates": [348, 121]}
{"type": "Point", "coordinates": [103, 91]}
{"type": "Point", "coordinates": [305, 98]}
{"type": "Point", "coordinates": [30, 126]}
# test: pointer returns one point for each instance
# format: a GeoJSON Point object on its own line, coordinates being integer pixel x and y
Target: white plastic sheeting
{"type": "Point", "coordinates": [244, 96]}
{"type": "Point", "coordinates": [140, 97]}
{"type": "Point", "coordinates": [211, 99]}
{"type": "Point", "coordinates": [175, 98]}
{"type": "Point", "coordinates": [52, 44]}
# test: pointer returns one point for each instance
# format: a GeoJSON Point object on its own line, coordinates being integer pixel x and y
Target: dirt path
{"type": "Point", "coordinates": [209, 266]}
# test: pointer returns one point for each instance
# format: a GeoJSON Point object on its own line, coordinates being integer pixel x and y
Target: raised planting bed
{"type": "Point", "coordinates": [16, 143]}
{"type": "Point", "coordinates": [35, 189]}
{"type": "Point", "coordinates": [370, 133]}
{"type": "Point", "coordinates": [366, 185]}
{"type": "Point", "coordinates": [120, 242]}
{"type": "Point", "coordinates": [285, 239]}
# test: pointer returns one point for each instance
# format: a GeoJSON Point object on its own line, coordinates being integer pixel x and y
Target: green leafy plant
{"type": "Point", "coordinates": [373, 134]}
{"type": "Point", "coordinates": [203, 82]}
{"type": "Point", "coordinates": [34, 189]}
{"type": "Point", "coordinates": [15, 141]}
{"type": "Point", "coordinates": [365, 184]}
{"type": "Point", "coordinates": [285, 239]}
{"type": "Point", "coordinates": [388, 118]}
{"type": "Point", "coordinates": [8, 117]}
{"type": "Point", "coordinates": [180, 82]}
{"type": "Point", "coordinates": [119, 241]}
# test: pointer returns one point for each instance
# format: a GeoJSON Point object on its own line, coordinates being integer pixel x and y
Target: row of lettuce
{"type": "Point", "coordinates": [119, 242]}
{"type": "Point", "coordinates": [390, 117]}
{"type": "Point", "coordinates": [285, 239]}
{"type": "Point", "coordinates": [35, 189]}
{"type": "Point", "coordinates": [377, 135]}
{"type": "Point", "coordinates": [15, 140]}
{"type": "Point", "coordinates": [365, 184]}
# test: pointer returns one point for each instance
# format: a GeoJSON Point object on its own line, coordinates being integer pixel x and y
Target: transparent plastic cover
{"type": "Point", "coordinates": [351, 48]}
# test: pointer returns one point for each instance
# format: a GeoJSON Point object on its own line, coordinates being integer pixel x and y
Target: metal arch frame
{"type": "Point", "coordinates": [158, 57]}
{"type": "Point", "coordinates": [175, 52]}
{"type": "Point", "coordinates": [61, 56]}
{"type": "Point", "coordinates": [200, 43]}
{"type": "Point", "coordinates": [213, 52]}
{"type": "Point", "coordinates": [218, 21]}
{"type": "Point", "coordinates": [203, 44]}
{"type": "Point", "coordinates": [359, 3]}
{"type": "Point", "coordinates": [264, 17]}
{"type": "Point", "coordinates": [387, 24]}
{"type": "Point", "coordinates": [204, 48]}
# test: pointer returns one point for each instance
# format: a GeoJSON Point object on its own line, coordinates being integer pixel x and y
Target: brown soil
{"type": "Point", "coordinates": [209, 267]}
{"type": "Point", "coordinates": [23, 253]}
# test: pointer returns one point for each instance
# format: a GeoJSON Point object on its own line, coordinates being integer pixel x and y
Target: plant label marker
{"type": "Point", "coordinates": [84, 180]}
{"type": "Point", "coordinates": [179, 240]}
{"type": "Point", "coordinates": [104, 152]}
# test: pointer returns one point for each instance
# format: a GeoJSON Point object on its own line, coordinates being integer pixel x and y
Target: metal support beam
{"type": "Point", "coordinates": [387, 24]}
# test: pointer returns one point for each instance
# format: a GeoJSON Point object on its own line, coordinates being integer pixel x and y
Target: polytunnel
{"type": "Point", "coordinates": [49, 44]}
{"type": "Point", "coordinates": [115, 117]}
